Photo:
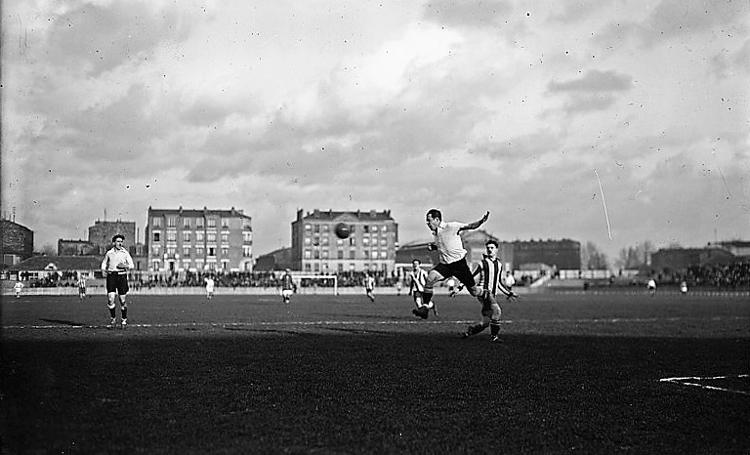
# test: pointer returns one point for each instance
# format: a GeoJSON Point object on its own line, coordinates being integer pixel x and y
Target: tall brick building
{"type": "Point", "coordinates": [371, 245]}
{"type": "Point", "coordinates": [179, 240]}
{"type": "Point", "coordinates": [17, 242]}
{"type": "Point", "coordinates": [101, 233]}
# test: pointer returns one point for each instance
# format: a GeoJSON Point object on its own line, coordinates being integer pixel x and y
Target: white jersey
{"type": "Point", "coordinates": [509, 280]}
{"type": "Point", "coordinates": [115, 257]}
{"type": "Point", "coordinates": [651, 284]}
{"type": "Point", "coordinates": [18, 286]}
{"type": "Point", "coordinates": [209, 285]}
{"type": "Point", "coordinates": [449, 243]}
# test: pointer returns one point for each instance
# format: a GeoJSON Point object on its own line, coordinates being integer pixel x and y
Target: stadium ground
{"type": "Point", "coordinates": [246, 374]}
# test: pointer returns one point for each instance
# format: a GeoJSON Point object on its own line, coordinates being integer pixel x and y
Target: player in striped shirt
{"type": "Point", "coordinates": [418, 278]}
{"type": "Point", "coordinates": [490, 271]}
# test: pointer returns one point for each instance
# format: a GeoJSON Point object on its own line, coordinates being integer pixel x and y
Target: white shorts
{"type": "Point", "coordinates": [287, 293]}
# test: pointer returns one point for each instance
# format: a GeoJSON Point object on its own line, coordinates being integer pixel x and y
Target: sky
{"type": "Point", "coordinates": [605, 121]}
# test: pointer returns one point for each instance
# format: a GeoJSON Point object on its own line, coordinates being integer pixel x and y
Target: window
{"type": "Point", "coordinates": [199, 236]}
{"type": "Point", "coordinates": [247, 251]}
{"type": "Point", "coordinates": [339, 242]}
{"type": "Point", "coordinates": [366, 241]}
{"type": "Point", "coordinates": [308, 227]}
{"type": "Point", "coordinates": [316, 228]}
{"type": "Point", "coordinates": [307, 267]}
{"type": "Point", "coordinates": [224, 252]}
{"type": "Point", "coordinates": [325, 228]}
{"type": "Point", "coordinates": [308, 254]}
{"type": "Point", "coordinates": [383, 242]}
{"type": "Point", "coordinates": [225, 223]}
{"type": "Point", "coordinates": [366, 228]}
{"type": "Point", "coordinates": [199, 223]}
{"type": "Point", "coordinates": [155, 250]}
{"type": "Point", "coordinates": [384, 228]}
{"type": "Point", "coordinates": [247, 236]}
{"type": "Point", "coordinates": [324, 241]}
{"type": "Point", "coordinates": [156, 222]}
{"type": "Point", "coordinates": [383, 254]}
{"type": "Point", "coordinates": [212, 251]}
{"type": "Point", "coordinates": [374, 254]}
{"type": "Point", "coordinates": [307, 241]}
{"type": "Point", "coordinates": [224, 237]}
{"type": "Point", "coordinates": [186, 251]}
{"type": "Point", "coordinates": [324, 254]}
{"type": "Point", "coordinates": [171, 236]}
{"type": "Point", "coordinates": [340, 254]}
{"type": "Point", "coordinates": [374, 229]}
{"type": "Point", "coordinates": [171, 221]}
{"type": "Point", "coordinates": [211, 236]}
{"type": "Point", "coordinates": [211, 222]}
{"type": "Point", "coordinates": [316, 254]}
{"type": "Point", "coordinates": [317, 267]}
{"type": "Point", "coordinates": [199, 251]}
{"type": "Point", "coordinates": [351, 254]}
{"type": "Point", "coordinates": [366, 254]}
{"type": "Point", "coordinates": [353, 241]}
{"type": "Point", "coordinates": [185, 236]}
{"type": "Point", "coordinates": [170, 250]}
{"type": "Point", "coordinates": [186, 223]}
{"type": "Point", "coordinates": [199, 264]}
{"type": "Point", "coordinates": [340, 268]}
{"type": "Point", "coordinates": [246, 224]}
{"type": "Point", "coordinates": [157, 236]}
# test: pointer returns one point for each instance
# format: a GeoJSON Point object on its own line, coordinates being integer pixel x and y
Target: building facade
{"type": "Point", "coordinates": [562, 254]}
{"type": "Point", "coordinates": [77, 248]}
{"type": "Point", "coordinates": [101, 233]}
{"type": "Point", "coordinates": [370, 246]}
{"type": "Point", "coordinates": [181, 240]}
{"type": "Point", "coordinates": [17, 242]}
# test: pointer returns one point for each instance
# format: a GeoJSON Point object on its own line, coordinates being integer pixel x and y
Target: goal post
{"type": "Point", "coordinates": [316, 284]}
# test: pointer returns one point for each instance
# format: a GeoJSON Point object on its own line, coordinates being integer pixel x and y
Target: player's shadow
{"type": "Point", "coordinates": [63, 322]}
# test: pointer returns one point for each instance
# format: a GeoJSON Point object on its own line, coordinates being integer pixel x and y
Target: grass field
{"type": "Point", "coordinates": [246, 374]}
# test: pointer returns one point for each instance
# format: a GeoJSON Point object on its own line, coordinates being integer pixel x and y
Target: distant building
{"type": "Point", "coordinates": [280, 259]}
{"type": "Point", "coordinates": [40, 267]}
{"type": "Point", "coordinates": [371, 245]}
{"type": "Point", "coordinates": [101, 233]}
{"type": "Point", "coordinates": [740, 248]}
{"type": "Point", "coordinates": [179, 240]}
{"type": "Point", "coordinates": [562, 254]}
{"type": "Point", "coordinates": [17, 242]}
{"type": "Point", "coordinates": [76, 248]}
{"type": "Point", "coordinates": [669, 260]}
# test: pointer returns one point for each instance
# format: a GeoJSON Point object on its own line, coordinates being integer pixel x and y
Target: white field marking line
{"type": "Point", "coordinates": [362, 323]}
{"type": "Point", "coordinates": [683, 381]}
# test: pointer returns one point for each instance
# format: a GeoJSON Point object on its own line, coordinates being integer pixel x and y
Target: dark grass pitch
{"type": "Point", "coordinates": [245, 374]}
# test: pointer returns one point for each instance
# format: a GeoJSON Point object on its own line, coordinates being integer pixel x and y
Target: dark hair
{"type": "Point", "coordinates": [118, 236]}
{"type": "Point", "coordinates": [435, 213]}
{"type": "Point", "coordinates": [492, 242]}
{"type": "Point", "coordinates": [416, 260]}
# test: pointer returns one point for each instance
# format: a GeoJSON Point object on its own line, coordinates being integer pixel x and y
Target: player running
{"type": "Point", "coordinates": [491, 271]}
{"type": "Point", "coordinates": [369, 286]}
{"type": "Point", "coordinates": [418, 278]}
{"type": "Point", "coordinates": [81, 287]}
{"type": "Point", "coordinates": [452, 254]}
{"type": "Point", "coordinates": [18, 287]}
{"type": "Point", "coordinates": [210, 284]}
{"type": "Point", "coordinates": [288, 287]}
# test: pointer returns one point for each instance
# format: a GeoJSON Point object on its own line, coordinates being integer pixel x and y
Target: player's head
{"type": "Point", "coordinates": [287, 270]}
{"type": "Point", "coordinates": [433, 218]}
{"type": "Point", "coordinates": [416, 263]}
{"type": "Point", "coordinates": [117, 239]}
{"type": "Point", "coordinates": [491, 246]}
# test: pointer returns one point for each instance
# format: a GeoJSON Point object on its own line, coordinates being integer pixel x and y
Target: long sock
{"type": "Point", "coordinates": [112, 313]}
{"type": "Point", "coordinates": [494, 328]}
{"type": "Point", "coordinates": [124, 311]}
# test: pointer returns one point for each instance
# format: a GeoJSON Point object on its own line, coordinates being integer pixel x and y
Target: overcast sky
{"type": "Point", "coordinates": [508, 106]}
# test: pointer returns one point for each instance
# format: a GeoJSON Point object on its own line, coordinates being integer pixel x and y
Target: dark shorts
{"type": "Point", "coordinates": [417, 295]}
{"type": "Point", "coordinates": [117, 283]}
{"type": "Point", "coordinates": [458, 269]}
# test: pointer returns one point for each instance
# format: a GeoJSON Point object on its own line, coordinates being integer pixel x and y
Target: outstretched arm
{"type": "Point", "coordinates": [475, 224]}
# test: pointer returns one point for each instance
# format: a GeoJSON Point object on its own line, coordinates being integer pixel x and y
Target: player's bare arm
{"type": "Point", "coordinates": [475, 224]}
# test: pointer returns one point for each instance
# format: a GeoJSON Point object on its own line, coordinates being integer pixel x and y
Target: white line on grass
{"type": "Point", "coordinates": [684, 381]}
{"type": "Point", "coordinates": [355, 322]}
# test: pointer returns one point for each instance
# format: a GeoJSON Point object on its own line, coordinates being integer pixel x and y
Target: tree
{"type": "Point", "coordinates": [634, 257]}
{"type": "Point", "coordinates": [48, 250]}
{"type": "Point", "coordinates": [592, 258]}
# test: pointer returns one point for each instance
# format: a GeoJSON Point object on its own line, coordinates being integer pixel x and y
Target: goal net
{"type": "Point", "coordinates": [317, 284]}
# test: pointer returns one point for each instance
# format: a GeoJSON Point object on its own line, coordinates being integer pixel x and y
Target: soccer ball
{"type": "Point", "coordinates": [342, 230]}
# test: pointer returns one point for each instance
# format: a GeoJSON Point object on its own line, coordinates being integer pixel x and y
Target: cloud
{"type": "Point", "coordinates": [594, 81]}
{"type": "Point", "coordinates": [472, 13]}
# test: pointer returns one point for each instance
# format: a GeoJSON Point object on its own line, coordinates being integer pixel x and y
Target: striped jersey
{"type": "Point", "coordinates": [418, 279]}
{"type": "Point", "coordinates": [491, 274]}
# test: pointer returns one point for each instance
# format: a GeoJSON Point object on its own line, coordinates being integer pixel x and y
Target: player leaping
{"type": "Point", "coordinates": [448, 243]}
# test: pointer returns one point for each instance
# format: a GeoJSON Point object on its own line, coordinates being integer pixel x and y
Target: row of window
{"type": "Point", "coordinates": [352, 241]}
{"type": "Point", "coordinates": [365, 228]}
{"type": "Point", "coordinates": [188, 223]}
{"type": "Point", "coordinates": [200, 236]}
{"type": "Point", "coordinates": [367, 254]}
{"type": "Point", "coordinates": [200, 265]}
{"type": "Point", "coordinates": [247, 251]}
{"type": "Point", "coordinates": [316, 267]}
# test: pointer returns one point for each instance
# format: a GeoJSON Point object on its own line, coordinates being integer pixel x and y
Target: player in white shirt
{"type": "Point", "coordinates": [369, 286]}
{"type": "Point", "coordinates": [209, 287]}
{"type": "Point", "coordinates": [651, 286]}
{"type": "Point", "coordinates": [18, 287]}
{"type": "Point", "coordinates": [509, 281]}
{"type": "Point", "coordinates": [448, 243]}
{"type": "Point", "coordinates": [115, 267]}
